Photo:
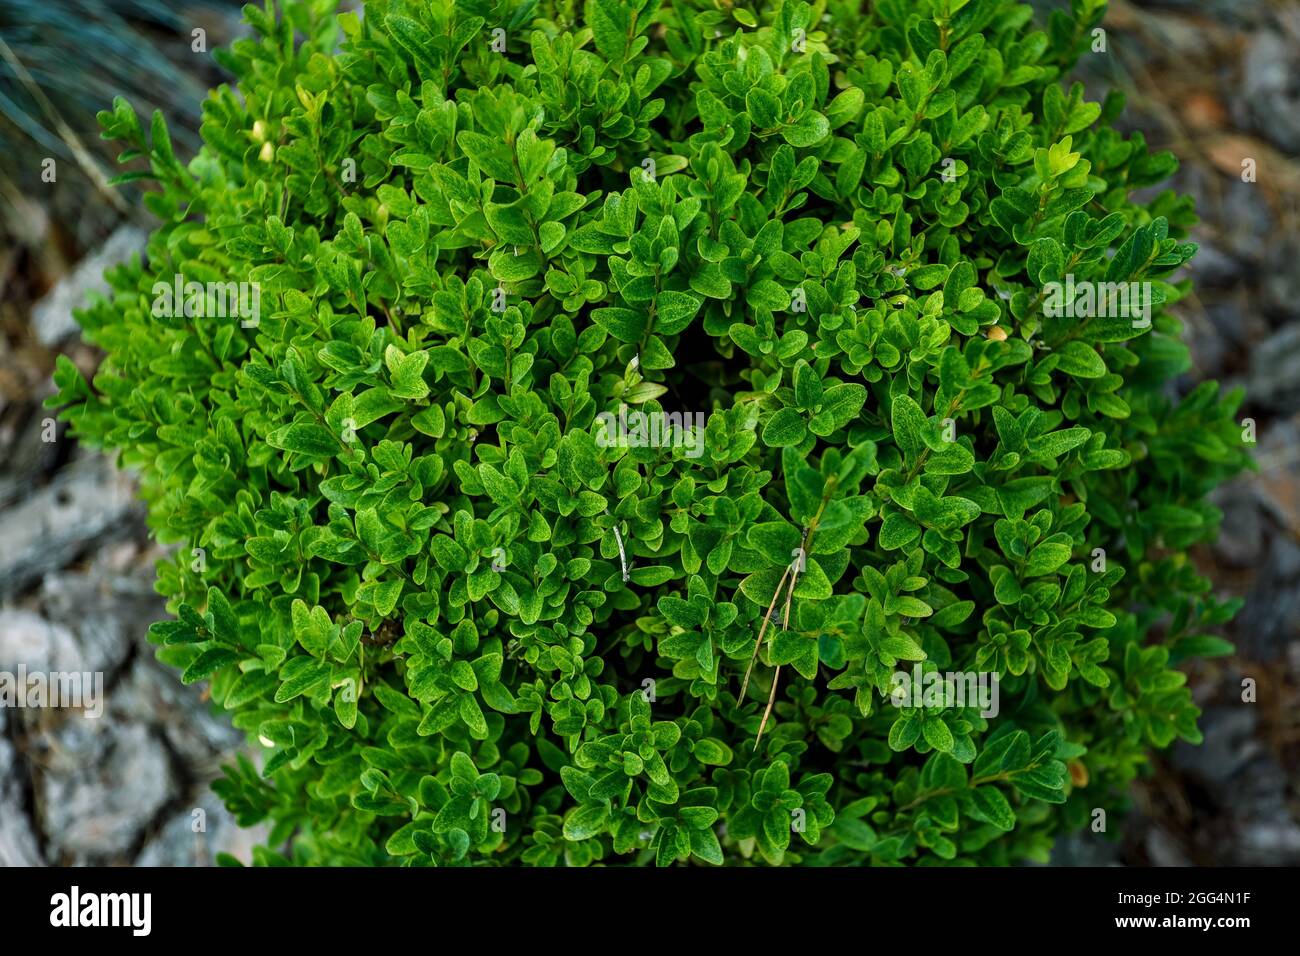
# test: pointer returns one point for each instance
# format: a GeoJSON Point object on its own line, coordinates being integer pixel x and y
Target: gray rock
{"type": "Point", "coordinates": [1241, 537]}
{"type": "Point", "coordinates": [106, 613]}
{"type": "Point", "coordinates": [1275, 370]}
{"type": "Point", "coordinates": [88, 623]}
{"type": "Point", "coordinates": [1279, 283]}
{"type": "Point", "coordinates": [1163, 848]}
{"type": "Point", "coordinates": [52, 316]}
{"type": "Point", "coordinates": [87, 501]}
{"type": "Point", "coordinates": [101, 785]}
{"type": "Point", "coordinates": [1266, 834]}
{"type": "Point", "coordinates": [194, 836]}
{"type": "Point", "coordinates": [1176, 37]}
{"type": "Point", "coordinates": [1212, 267]}
{"type": "Point", "coordinates": [1208, 339]}
{"type": "Point", "coordinates": [1264, 67]}
{"type": "Point", "coordinates": [1269, 843]}
{"type": "Point", "coordinates": [1221, 11]}
{"type": "Point", "coordinates": [18, 845]}
{"type": "Point", "coordinates": [1271, 618]}
{"type": "Point", "coordinates": [1085, 849]}
{"type": "Point", "coordinates": [1277, 485]}
{"type": "Point", "coordinates": [1241, 233]}
{"type": "Point", "coordinates": [1229, 745]}
{"type": "Point", "coordinates": [153, 694]}
{"type": "Point", "coordinates": [26, 453]}
{"type": "Point", "coordinates": [30, 641]}
{"type": "Point", "coordinates": [1271, 90]}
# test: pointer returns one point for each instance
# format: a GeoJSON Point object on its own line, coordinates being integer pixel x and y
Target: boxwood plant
{"type": "Point", "coordinates": [432, 252]}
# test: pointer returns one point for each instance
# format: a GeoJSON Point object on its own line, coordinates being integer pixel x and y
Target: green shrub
{"type": "Point", "coordinates": [468, 628]}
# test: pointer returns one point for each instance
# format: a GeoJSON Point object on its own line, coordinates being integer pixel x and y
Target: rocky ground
{"type": "Point", "coordinates": [1217, 81]}
{"type": "Point", "coordinates": [132, 784]}
{"type": "Point", "coordinates": [76, 564]}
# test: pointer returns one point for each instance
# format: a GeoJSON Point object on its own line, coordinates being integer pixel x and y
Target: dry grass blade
{"type": "Point", "coordinates": [759, 643]}
{"type": "Point", "coordinates": [796, 565]}
{"type": "Point", "coordinates": [771, 699]}
{"type": "Point", "coordinates": [70, 139]}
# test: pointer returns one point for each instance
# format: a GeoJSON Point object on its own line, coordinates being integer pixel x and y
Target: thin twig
{"type": "Point", "coordinates": [785, 626]}
{"type": "Point", "coordinates": [771, 699]}
{"type": "Point", "coordinates": [759, 643]}
{"type": "Point", "coordinates": [797, 564]}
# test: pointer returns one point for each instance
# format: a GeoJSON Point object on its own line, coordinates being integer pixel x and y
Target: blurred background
{"type": "Point", "coordinates": [1216, 81]}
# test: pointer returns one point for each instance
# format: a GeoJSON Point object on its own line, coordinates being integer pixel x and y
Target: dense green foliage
{"type": "Point", "coordinates": [399, 530]}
